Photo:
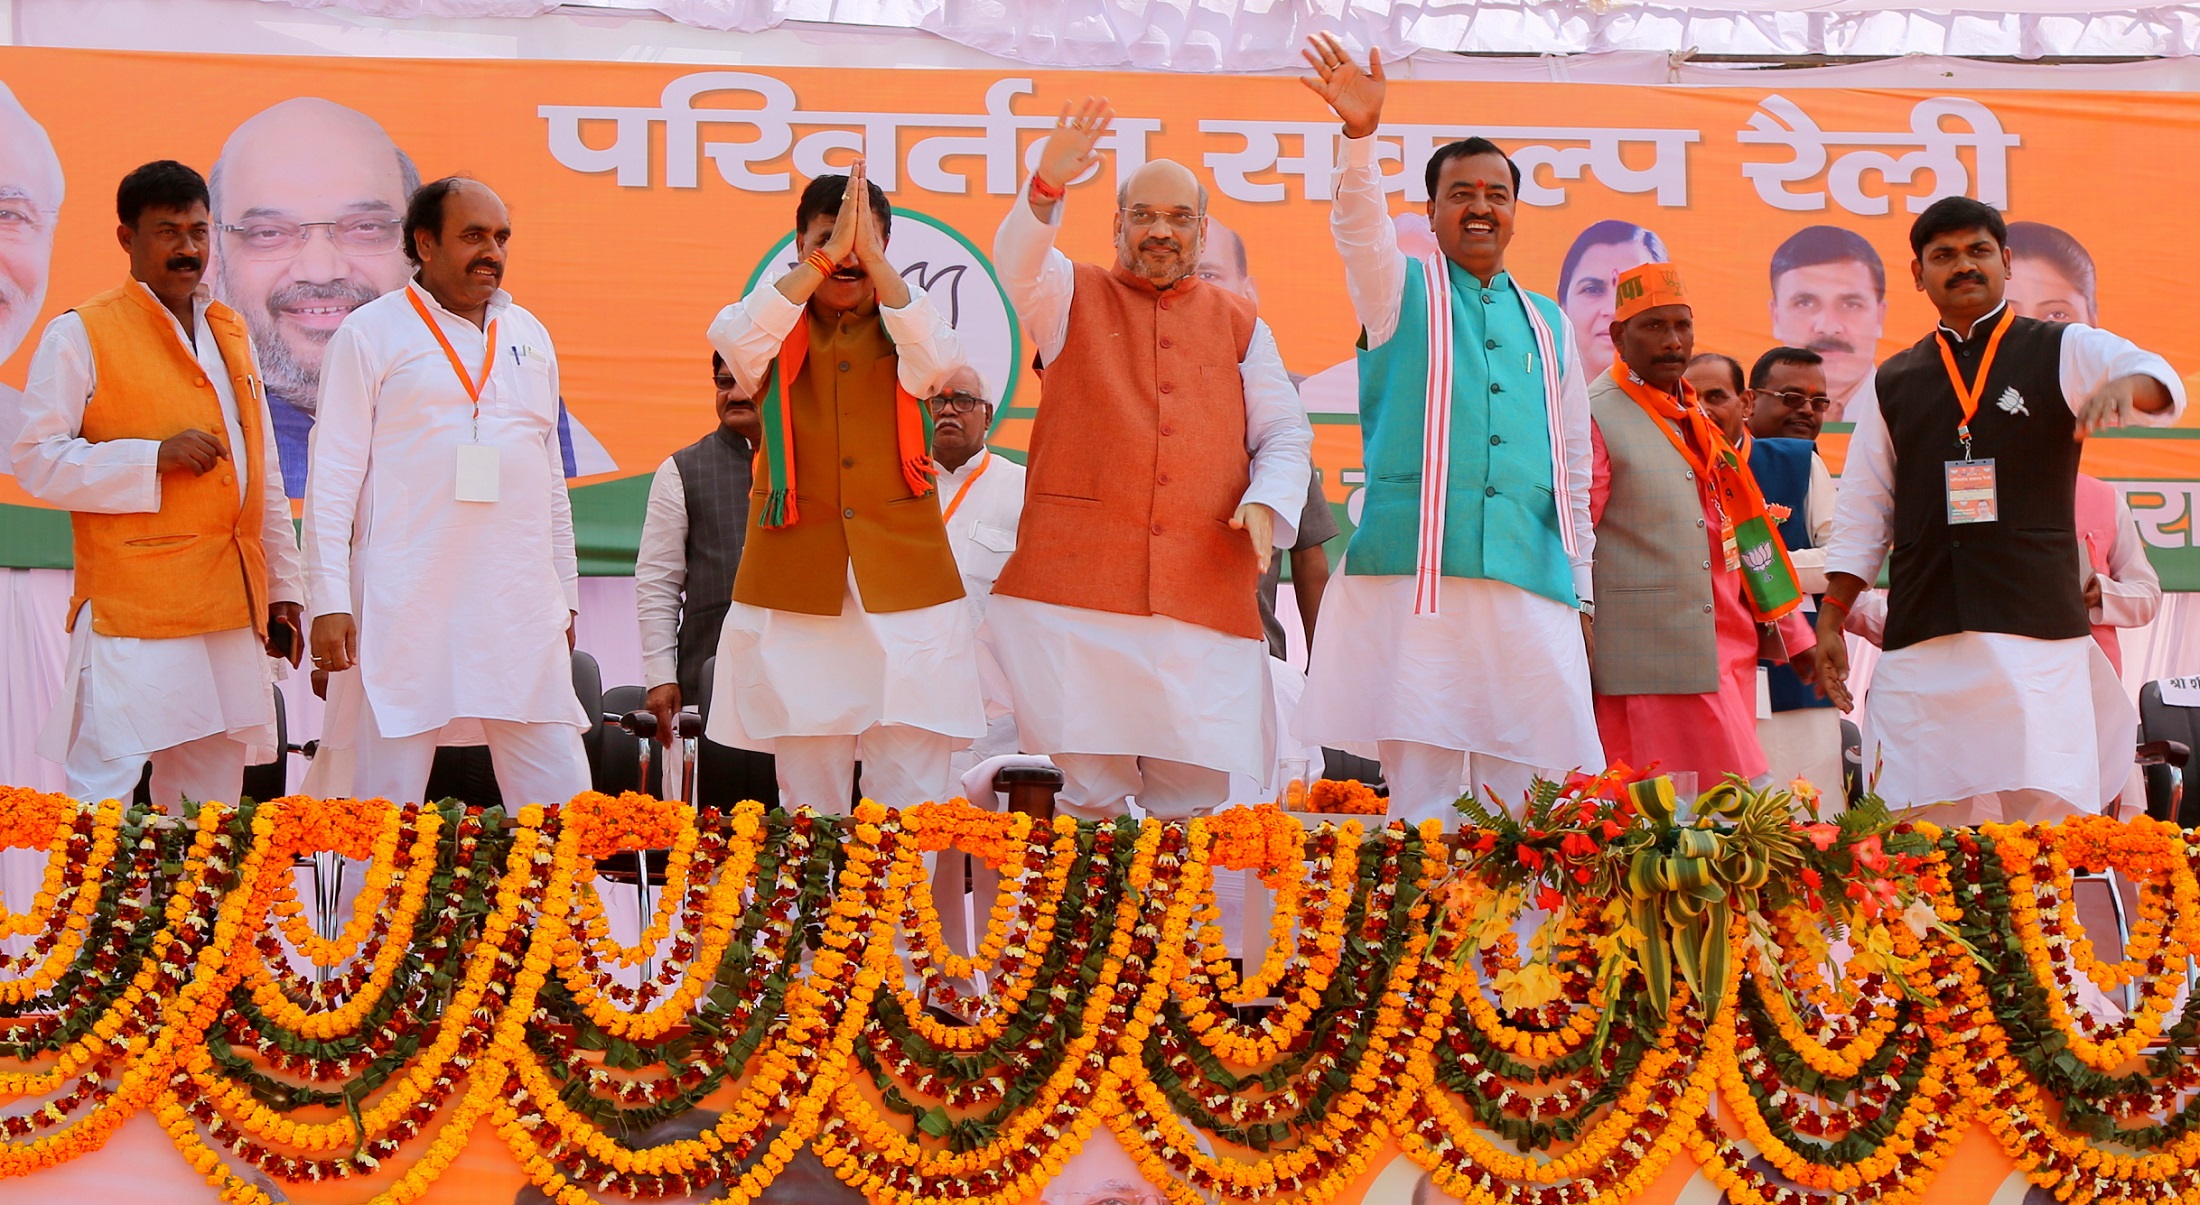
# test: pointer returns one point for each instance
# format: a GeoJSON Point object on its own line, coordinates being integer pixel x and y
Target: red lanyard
{"type": "Point", "coordinates": [1968, 396]}
{"type": "Point", "coordinates": [985, 462]}
{"type": "Point", "coordinates": [488, 355]}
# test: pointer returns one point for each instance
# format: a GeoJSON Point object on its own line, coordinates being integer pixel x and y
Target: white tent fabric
{"type": "Point", "coordinates": [1223, 35]}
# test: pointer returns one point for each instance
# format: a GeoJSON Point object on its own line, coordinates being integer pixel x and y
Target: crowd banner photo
{"type": "Point", "coordinates": [644, 197]}
{"type": "Point", "coordinates": [1720, 1004]}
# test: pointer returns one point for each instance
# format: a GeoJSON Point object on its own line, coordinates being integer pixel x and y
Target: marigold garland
{"type": "Point", "coordinates": [150, 975]}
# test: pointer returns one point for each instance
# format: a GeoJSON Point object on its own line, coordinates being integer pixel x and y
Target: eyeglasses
{"type": "Point", "coordinates": [1796, 399]}
{"type": "Point", "coordinates": [268, 239]}
{"type": "Point", "coordinates": [725, 381]}
{"type": "Point", "coordinates": [961, 401]}
{"type": "Point", "coordinates": [1176, 219]}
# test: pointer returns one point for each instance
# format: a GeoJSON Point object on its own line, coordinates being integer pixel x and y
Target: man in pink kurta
{"type": "Point", "coordinates": [1677, 635]}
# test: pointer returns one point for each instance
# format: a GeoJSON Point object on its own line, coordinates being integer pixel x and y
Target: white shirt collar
{"type": "Point", "coordinates": [201, 298]}
{"type": "Point", "coordinates": [1965, 338]}
{"type": "Point", "coordinates": [498, 301]}
{"type": "Point", "coordinates": [968, 466]}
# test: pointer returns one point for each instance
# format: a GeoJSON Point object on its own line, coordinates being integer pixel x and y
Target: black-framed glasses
{"type": "Point", "coordinates": [1796, 399]}
{"type": "Point", "coordinates": [1176, 219]}
{"type": "Point", "coordinates": [267, 238]}
{"type": "Point", "coordinates": [961, 401]}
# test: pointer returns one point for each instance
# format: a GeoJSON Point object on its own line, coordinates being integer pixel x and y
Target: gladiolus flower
{"type": "Point", "coordinates": [1531, 857]}
{"type": "Point", "coordinates": [1823, 835]}
{"type": "Point", "coordinates": [1549, 899]}
{"type": "Point", "coordinates": [1812, 879]}
{"type": "Point", "coordinates": [1868, 854]}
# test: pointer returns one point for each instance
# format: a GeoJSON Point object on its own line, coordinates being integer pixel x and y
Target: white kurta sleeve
{"type": "Point", "coordinates": [2092, 357]}
{"type": "Point", "coordinates": [926, 349]}
{"type": "Point", "coordinates": [52, 461]}
{"type": "Point", "coordinates": [1573, 414]}
{"type": "Point", "coordinates": [1037, 277]}
{"type": "Point", "coordinates": [750, 332]}
{"type": "Point", "coordinates": [1863, 511]}
{"type": "Point", "coordinates": [561, 500]}
{"type": "Point", "coordinates": [2131, 592]}
{"type": "Point", "coordinates": [1359, 221]}
{"type": "Point", "coordinates": [1276, 435]}
{"type": "Point", "coordinates": [286, 576]}
{"type": "Point", "coordinates": [343, 435]}
{"type": "Point", "coordinates": [1818, 505]}
{"type": "Point", "coordinates": [660, 574]}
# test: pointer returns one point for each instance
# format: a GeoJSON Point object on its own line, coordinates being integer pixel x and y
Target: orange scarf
{"type": "Point", "coordinates": [775, 460]}
{"type": "Point", "coordinates": [1773, 588]}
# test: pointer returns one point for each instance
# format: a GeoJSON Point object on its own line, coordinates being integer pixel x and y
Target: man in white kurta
{"type": "Point", "coordinates": [199, 707]}
{"type": "Point", "coordinates": [2014, 714]}
{"type": "Point", "coordinates": [438, 525]}
{"type": "Point", "coordinates": [1453, 637]}
{"type": "Point", "coordinates": [1125, 624]}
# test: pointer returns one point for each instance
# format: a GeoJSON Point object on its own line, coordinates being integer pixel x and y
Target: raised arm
{"type": "Point", "coordinates": [2110, 381]}
{"type": "Point", "coordinates": [1037, 277]}
{"type": "Point", "coordinates": [1359, 217]}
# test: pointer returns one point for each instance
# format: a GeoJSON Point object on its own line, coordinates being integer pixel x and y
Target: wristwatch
{"type": "Point", "coordinates": [1589, 608]}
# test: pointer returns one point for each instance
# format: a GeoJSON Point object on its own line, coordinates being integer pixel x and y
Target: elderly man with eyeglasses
{"type": "Point", "coordinates": [1785, 405]}
{"type": "Point", "coordinates": [982, 501]}
{"type": "Point", "coordinates": [1167, 462]}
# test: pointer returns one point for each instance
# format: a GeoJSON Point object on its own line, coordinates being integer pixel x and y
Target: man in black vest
{"type": "Point", "coordinates": [1991, 696]}
{"type": "Point", "coordinates": [697, 518]}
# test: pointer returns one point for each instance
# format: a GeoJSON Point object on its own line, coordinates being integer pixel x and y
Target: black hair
{"type": "Point", "coordinates": [1733, 366]}
{"type": "Point", "coordinates": [1950, 215]}
{"type": "Point", "coordinates": [822, 196]}
{"type": "Point", "coordinates": [2068, 256]}
{"type": "Point", "coordinates": [425, 212]}
{"type": "Point", "coordinates": [717, 363]}
{"type": "Point", "coordinates": [1815, 245]}
{"type": "Point", "coordinates": [161, 184]}
{"type": "Point", "coordinates": [1463, 149]}
{"type": "Point", "coordinates": [1607, 233]}
{"type": "Point", "coordinates": [1801, 356]}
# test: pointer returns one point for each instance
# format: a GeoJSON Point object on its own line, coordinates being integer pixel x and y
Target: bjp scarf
{"type": "Point", "coordinates": [912, 435]}
{"type": "Point", "coordinates": [1766, 570]}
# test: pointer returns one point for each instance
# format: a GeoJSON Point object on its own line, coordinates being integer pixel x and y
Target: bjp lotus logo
{"type": "Point", "coordinates": [1759, 558]}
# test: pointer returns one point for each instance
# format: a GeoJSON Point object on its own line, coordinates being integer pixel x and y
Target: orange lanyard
{"type": "Point", "coordinates": [1968, 396]}
{"type": "Point", "coordinates": [488, 356]}
{"type": "Point", "coordinates": [984, 462]}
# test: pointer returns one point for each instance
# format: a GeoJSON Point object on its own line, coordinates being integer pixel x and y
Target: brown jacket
{"type": "Point", "coordinates": [852, 501]}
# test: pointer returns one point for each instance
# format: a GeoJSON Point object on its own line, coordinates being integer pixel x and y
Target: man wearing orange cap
{"type": "Point", "coordinates": [1690, 569]}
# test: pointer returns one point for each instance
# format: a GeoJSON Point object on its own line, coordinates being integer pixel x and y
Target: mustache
{"type": "Point", "coordinates": [186, 263]}
{"type": "Point", "coordinates": [1832, 344]}
{"type": "Point", "coordinates": [1666, 358]}
{"type": "Point", "coordinates": [1969, 276]}
{"type": "Point", "coordinates": [1160, 244]}
{"type": "Point", "coordinates": [494, 266]}
{"type": "Point", "coordinates": [307, 292]}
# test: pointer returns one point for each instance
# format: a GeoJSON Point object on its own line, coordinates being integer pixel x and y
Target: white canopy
{"type": "Point", "coordinates": [1264, 35]}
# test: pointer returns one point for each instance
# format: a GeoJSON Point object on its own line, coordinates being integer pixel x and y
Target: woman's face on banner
{"type": "Point", "coordinates": [1588, 299]}
{"type": "Point", "coordinates": [2038, 289]}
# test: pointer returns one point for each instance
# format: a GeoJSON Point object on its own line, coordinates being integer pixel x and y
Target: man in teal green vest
{"type": "Point", "coordinates": [1456, 638]}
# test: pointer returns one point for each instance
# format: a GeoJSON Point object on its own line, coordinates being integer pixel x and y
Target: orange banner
{"type": "Point", "coordinates": [646, 196]}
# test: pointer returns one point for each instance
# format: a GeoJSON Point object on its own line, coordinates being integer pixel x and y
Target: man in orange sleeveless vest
{"type": "Point", "coordinates": [1168, 460]}
{"type": "Point", "coordinates": [848, 637]}
{"type": "Point", "coordinates": [144, 416]}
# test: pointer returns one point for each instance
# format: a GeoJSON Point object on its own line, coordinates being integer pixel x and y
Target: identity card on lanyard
{"type": "Point", "coordinates": [1972, 496]}
{"type": "Point", "coordinates": [479, 464]}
